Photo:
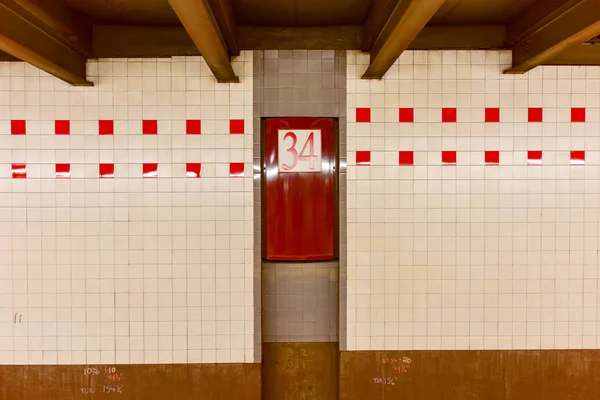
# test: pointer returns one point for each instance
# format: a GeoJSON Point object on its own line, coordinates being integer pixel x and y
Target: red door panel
{"type": "Point", "coordinates": [300, 212]}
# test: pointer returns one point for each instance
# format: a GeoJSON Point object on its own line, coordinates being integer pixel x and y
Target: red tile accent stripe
{"type": "Point", "coordinates": [363, 157]}
{"type": "Point", "coordinates": [449, 157]}
{"type": "Point", "coordinates": [535, 114]}
{"type": "Point", "coordinates": [150, 127]}
{"type": "Point", "coordinates": [492, 157]}
{"type": "Point", "coordinates": [534, 157]}
{"type": "Point", "coordinates": [193, 127]}
{"type": "Point", "coordinates": [577, 157]}
{"type": "Point", "coordinates": [106, 127]}
{"type": "Point", "coordinates": [19, 171]}
{"type": "Point", "coordinates": [492, 115]}
{"type": "Point", "coordinates": [236, 127]}
{"type": "Point", "coordinates": [406, 158]}
{"type": "Point", "coordinates": [236, 169]}
{"type": "Point", "coordinates": [150, 170]}
{"type": "Point", "coordinates": [448, 114]}
{"type": "Point", "coordinates": [18, 127]}
{"type": "Point", "coordinates": [62, 127]}
{"type": "Point", "coordinates": [577, 114]}
{"type": "Point", "coordinates": [363, 114]}
{"type": "Point", "coordinates": [63, 170]}
{"type": "Point", "coordinates": [192, 170]}
{"type": "Point", "coordinates": [406, 115]}
{"type": "Point", "coordinates": [107, 170]}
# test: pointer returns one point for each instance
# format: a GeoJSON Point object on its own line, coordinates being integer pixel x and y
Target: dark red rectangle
{"type": "Point", "coordinates": [299, 208]}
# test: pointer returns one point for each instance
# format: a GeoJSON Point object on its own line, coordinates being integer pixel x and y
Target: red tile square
{"type": "Point", "coordinates": [406, 158]}
{"type": "Point", "coordinates": [107, 170]}
{"type": "Point", "coordinates": [18, 127]}
{"type": "Point", "coordinates": [363, 114]}
{"type": "Point", "coordinates": [150, 170]}
{"type": "Point", "coordinates": [192, 170]}
{"type": "Point", "coordinates": [236, 126]}
{"type": "Point", "coordinates": [363, 157]}
{"type": "Point", "coordinates": [193, 127]}
{"type": "Point", "coordinates": [106, 127]}
{"type": "Point", "coordinates": [535, 114]}
{"type": "Point", "coordinates": [577, 114]}
{"type": "Point", "coordinates": [448, 114]}
{"type": "Point", "coordinates": [492, 157]}
{"type": "Point", "coordinates": [577, 157]}
{"type": "Point", "coordinates": [534, 157]}
{"type": "Point", "coordinates": [492, 115]}
{"type": "Point", "coordinates": [449, 157]}
{"type": "Point", "coordinates": [62, 127]}
{"type": "Point", "coordinates": [19, 171]}
{"type": "Point", "coordinates": [406, 115]}
{"type": "Point", "coordinates": [236, 169]}
{"type": "Point", "coordinates": [63, 170]}
{"type": "Point", "coordinates": [150, 127]}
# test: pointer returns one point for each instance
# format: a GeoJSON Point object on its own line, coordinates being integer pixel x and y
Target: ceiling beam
{"type": "Point", "coordinates": [571, 24]}
{"type": "Point", "coordinates": [376, 19]}
{"type": "Point", "coordinates": [446, 8]}
{"type": "Point", "coordinates": [404, 24]}
{"type": "Point", "coordinates": [29, 42]}
{"type": "Point", "coordinates": [199, 22]}
{"type": "Point", "coordinates": [226, 22]}
{"type": "Point", "coordinates": [289, 38]}
{"type": "Point", "coordinates": [467, 37]}
{"type": "Point", "coordinates": [57, 20]}
{"type": "Point", "coordinates": [7, 57]}
{"type": "Point", "coordinates": [115, 41]}
{"type": "Point", "coordinates": [118, 41]}
{"type": "Point", "coordinates": [584, 54]}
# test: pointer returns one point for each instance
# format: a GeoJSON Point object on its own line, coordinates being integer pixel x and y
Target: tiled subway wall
{"type": "Point", "coordinates": [473, 204]}
{"type": "Point", "coordinates": [126, 220]}
{"type": "Point", "coordinates": [300, 302]}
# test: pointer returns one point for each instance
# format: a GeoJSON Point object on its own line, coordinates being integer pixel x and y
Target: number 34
{"type": "Point", "coordinates": [309, 146]}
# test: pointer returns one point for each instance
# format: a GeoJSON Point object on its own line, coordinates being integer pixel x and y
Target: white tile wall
{"type": "Point", "coordinates": [473, 256]}
{"type": "Point", "coordinates": [129, 269]}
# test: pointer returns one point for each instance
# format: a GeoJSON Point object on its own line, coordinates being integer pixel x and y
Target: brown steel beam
{"type": "Point", "coordinates": [474, 37]}
{"type": "Point", "coordinates": [223, 13]}
{"type": "Point", "coordinates": [289, 38]}
{"type": "Point", "coordinates": [445, 9]}
{"type": "Point", "coordinates": [116, 41]}
{"type": "Point", "coordinates": [376, 19]}
{"type": "Point", "coordinates": [113, 41]}
{"type": "Point", "coordinates": [28, 42]}
{"type": "Point", "coordinates": [404, 24]}
{"type": "Point", "coordinates": [199, 22]}
{"type": "Point", "coordinates": [584, 54]}
{"type": "Point", "coordinates": [57, 20]}
{"type": "Point", "coordinates": [7, 57]}
{"type": "Point", "coordinates": [571, 24]}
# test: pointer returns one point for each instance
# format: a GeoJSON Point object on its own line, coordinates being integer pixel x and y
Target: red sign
{"type": "Point", "coordinates": [300, 182]}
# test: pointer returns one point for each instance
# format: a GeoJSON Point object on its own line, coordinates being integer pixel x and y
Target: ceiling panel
{"type": "Point", "coordinates": [465, 12]}
{"type": "Point", "coordinates": [301, 12]}
{"type": "Point", "coordinates": [134, 12]}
